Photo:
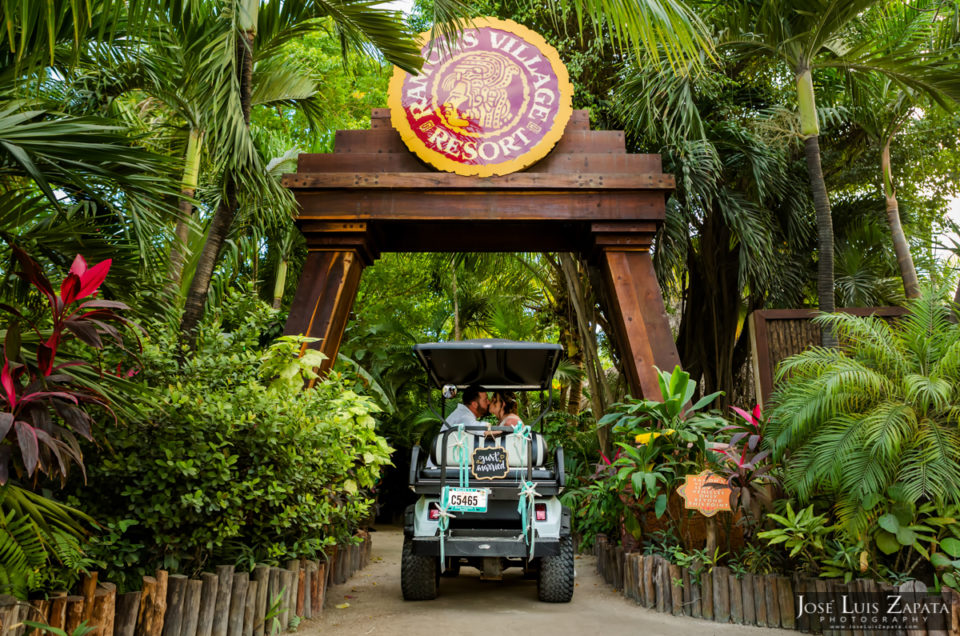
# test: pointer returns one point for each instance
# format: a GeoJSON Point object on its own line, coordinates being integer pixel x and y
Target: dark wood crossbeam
{"type": "Point", "coordinates": [372, 195]}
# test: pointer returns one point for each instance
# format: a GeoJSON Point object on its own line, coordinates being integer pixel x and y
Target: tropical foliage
{"type": "Point", "coordinates": [878, 411]}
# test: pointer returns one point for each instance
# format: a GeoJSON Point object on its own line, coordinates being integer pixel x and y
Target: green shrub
{"type": "Point", "coordinates": [223, 466]}
{"type": "Point", "coordinates": [850, 423]}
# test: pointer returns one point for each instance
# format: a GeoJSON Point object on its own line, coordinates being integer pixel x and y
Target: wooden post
{"type": "Point", "coordinates": [760, 600]}
{"type": "Point", "coordinates": [303, 600]}
{"type": "Point", "coordinates": [321, 589]}
{"type": "Point", "coordinates": [687, 592]}
{"type": "Point", "coordinates": [721, 594]}
{"type": "Point", "coordinates": [58, 609]}
{"type": "Point", "coordinates": [736, 599]}
{"type": "Point", "coordinates": [191, 607]}
{"type": "Point", "coordinates": [649, 592]}
{"type": "Point", "coordinates": [952, 600]}
{"type": "Point", "coordinates": [301, 590]}
{"type": "Point", "coordinates": [772, 600]}
{"type": "Point", "coordinates": [331, 565]}
{"type": "Point", "coordinates": [238, 602]}
{"type": "Point", "coordinates": [209, 591]}
{"type": "Point", "coordinates": [324, 298]}
{"type": "Point", "coordinates": [153, 605]}
{"type": "Point", "coordinates": [696, 606]}
{"type": "Point", "coordinates": [176, 589]}
{"type": "Point", "coordinates": [664, 598]}
{"type": "Point", "coordinates": [746, 596]}
{"type": "Point", "coordinates": [293, 579]}
{"type": "Point", "coordinates": [250, 608]}
{"type": "Point", "coordinates": [222, 609]}
{"type": "Point", "coordinates": [8, 613]}
{"type": "Point", "coordinates": [104, 609]}
{"type": "Point", "coordinates": [639, 320]}
{"type": "Point", "coordinates": [786, 604]}
{"type": "Point", "coordinates": [290, 599]}
{"type": "Point", "coordinates": [277, 592]}
{"type": "Point", "coordinates": [618, 570]}
{"type": "Point", "coordinates": [706, 594]}
{"type": "Point", "coordinates": [88, 589]}
{"type": "Point", "coordinates": [261, 574]}
{"type": "Point", "coordinates": [914, 588]}
{"type": "Point", "coordinates": [74, 613]}
{"type": "Point", "coordinates": [128, 606]}
{"type": "Point", "coordinates": [39, 612]}
{"type": "Point", "coordinates": [676, 589]}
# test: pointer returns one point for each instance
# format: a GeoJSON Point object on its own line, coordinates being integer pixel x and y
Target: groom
{"type": "Point", "coordinates": [473, 406]}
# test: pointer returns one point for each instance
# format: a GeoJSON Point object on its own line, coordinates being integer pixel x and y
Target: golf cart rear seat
{"type": "Point", "coordinates": [546, 470]}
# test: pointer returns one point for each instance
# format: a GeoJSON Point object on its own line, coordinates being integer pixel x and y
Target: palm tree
{"type": "Point", "coordinates": [880, 411]}
{"type": "Point", "coordinates": [807, 35]}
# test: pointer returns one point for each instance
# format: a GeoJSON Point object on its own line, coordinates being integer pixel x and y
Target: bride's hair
{"type": "Point", "coordinates": [509, 399]}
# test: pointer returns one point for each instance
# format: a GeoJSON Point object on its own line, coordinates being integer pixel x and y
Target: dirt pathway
{"type": "Point", "coordinates": [468, 606]}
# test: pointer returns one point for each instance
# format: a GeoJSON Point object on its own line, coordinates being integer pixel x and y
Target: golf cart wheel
{"type": "Point", "coordinates": [452, 570]}
{"type": "Point", "coordinates": [418, 575]}
{"type": "Point", "coordinates": [555, 582]}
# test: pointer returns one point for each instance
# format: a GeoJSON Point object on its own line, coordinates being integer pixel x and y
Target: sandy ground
{"type": "Point", "coordinates": [468, 606]}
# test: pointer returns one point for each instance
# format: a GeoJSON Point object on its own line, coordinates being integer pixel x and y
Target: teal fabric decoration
{"type": "Point", "coordinates": [528, 494]}
{"type": "Point", "coordinates": [444, 522]}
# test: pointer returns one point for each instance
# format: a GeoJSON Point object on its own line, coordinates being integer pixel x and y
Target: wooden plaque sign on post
{"type": "Point", "coordinates": [706, 493]}
{"type": "Point", "coordinates": [482, 153]}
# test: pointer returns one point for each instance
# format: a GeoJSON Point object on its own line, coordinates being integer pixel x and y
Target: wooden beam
{"type": "Point", "coordinates": [555, 163]}
{"type": "Point", "coordinates": [475, 205]}
{"type": "Point", "coordinates": [449, 181]}
{"type": "Point", "coordinates": [387, 140]}
{"type": "Point", "coordinates": [640, 319]}
{"type": "Point", "coordinates": [324, 299]}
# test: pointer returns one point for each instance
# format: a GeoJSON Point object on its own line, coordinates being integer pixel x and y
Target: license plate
{"type": "Point", "coordinates": [467, 500]}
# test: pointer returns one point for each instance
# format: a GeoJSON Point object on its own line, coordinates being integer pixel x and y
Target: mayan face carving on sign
{"type": "Point", "coordinates": [494, 102]}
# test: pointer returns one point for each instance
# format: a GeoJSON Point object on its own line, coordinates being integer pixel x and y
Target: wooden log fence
{"type": "Point", "coordinates": [225, 603]}
{"type": "Point", "coordinates": [722, 596]}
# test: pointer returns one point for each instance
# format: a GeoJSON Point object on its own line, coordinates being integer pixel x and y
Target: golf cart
{"type": "Point", "coordinates": [488, 494]}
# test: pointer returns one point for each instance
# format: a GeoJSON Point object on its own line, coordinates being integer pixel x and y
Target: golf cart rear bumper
{"type": "Point", "coordinates": [485, 546]}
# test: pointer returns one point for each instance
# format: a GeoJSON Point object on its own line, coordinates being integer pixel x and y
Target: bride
{"type": "Point", "coordinates": [503, 406]}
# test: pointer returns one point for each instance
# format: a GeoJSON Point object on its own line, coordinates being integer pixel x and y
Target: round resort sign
{"type": "Point", "coordinates": [494, 102]}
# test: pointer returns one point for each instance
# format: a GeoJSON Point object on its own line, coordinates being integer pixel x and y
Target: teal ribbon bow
{"type": "Point", "coordinates": [444, 523]}
{"type": "Point", "coordinates": [528, 493]}
{"type": "Point", "coordinates": [462, 456]}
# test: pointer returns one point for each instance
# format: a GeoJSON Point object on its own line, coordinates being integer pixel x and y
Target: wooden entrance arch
{"type": "Point", "coordinates": [590, 196]}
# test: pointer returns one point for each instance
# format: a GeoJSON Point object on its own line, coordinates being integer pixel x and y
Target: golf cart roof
{"type": "Point", "coordinates": [490, 364]}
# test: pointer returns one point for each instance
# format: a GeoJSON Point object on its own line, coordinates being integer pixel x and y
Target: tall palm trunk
{"type": "Point", "coordinates": [599, 392]}
{"type": "Point", "coordinates": [810, 129]}
{"type": "Point", "coordinates": [226, 210]}
{"type": "Point", "coordinates": [456, 301]}
{"type": "Point", "coordinates": [281, 283]}
{"type": "Point", "coordinates": [188, 187]}
{"type": "Point", "coordinates": [911, 287]}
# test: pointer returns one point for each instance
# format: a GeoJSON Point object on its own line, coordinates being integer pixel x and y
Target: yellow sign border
{"type": "Point", "coordinates": [536, 153]}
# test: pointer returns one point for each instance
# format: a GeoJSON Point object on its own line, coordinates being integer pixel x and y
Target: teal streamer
{"type": "Point", "coordinates": [528, 494]}
{"type": "Point", "coordinates": [444, 523]}
{"type": "Point", "coordinates": [462, 457]}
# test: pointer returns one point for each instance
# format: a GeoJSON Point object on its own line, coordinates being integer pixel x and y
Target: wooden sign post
{"type": "Point", "coordinates": [706, 493]}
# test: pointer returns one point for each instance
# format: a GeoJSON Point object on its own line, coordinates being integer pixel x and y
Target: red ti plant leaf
{"type": "Point", "coordinates": [69, 288]}
{"type": "Point", "coordinates": [6, 379]}
{"type": "Point", "coordinates": [29, 448]}
{"type": "Point", "coordinates": [45, 355]}
{"type": "Point", "coordinates": [79, 266]}
{"type": "Point", "coordinates": [86, 332]}
{"type": "Point", "coordinates": [6, 422]}
{"type": "Point", "coordinates": [33, 273]}
{"type": "Point", "coordinates": [92, 278]}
